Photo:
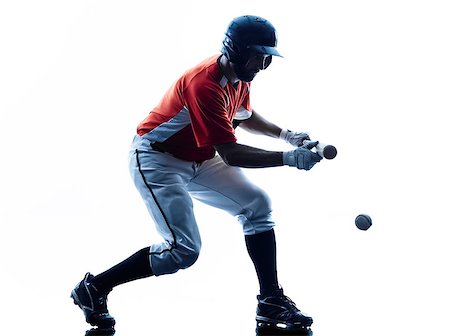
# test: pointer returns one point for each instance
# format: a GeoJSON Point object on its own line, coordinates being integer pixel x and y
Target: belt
{"type": "Point", "coordinates": [158, 146]}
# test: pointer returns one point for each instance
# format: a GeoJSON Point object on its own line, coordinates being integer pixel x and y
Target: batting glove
{"type": "Point", "coordinates": [302, 157]}
{"type": "Point", "coordinates": [294, 138]}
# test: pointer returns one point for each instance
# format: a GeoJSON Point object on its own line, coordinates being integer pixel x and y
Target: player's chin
{"type": "Point", "coordinates": [248, 76]}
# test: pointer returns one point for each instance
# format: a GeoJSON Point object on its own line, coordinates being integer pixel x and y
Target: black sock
{"type": "Point", "coordinates": [262, 250]}
{"type": "Point", "coordinates": [135, 267]}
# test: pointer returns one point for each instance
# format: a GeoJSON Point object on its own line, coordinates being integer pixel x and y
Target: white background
{"type": "Point", "coordinates": [371, 77]}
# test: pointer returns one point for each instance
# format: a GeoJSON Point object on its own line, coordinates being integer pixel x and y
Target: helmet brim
{"type": "Point", "coordinates": [265, 50]}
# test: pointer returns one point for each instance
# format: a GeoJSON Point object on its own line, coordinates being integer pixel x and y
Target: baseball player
{"type": "Point", "coordinates": [187, 148]}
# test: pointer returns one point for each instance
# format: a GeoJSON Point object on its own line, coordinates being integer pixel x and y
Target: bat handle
{"type": "Point", "coordinates": [328, 152]}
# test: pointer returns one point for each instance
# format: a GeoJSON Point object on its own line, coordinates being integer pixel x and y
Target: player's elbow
{"type": "Point", "coordinates": [230, 160]}
{"type": "Point", "coordinates": [229, 154]}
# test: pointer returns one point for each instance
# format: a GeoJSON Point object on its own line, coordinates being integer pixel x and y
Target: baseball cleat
{"type": "Point", "coordinates": [278, 312]}
{"type": "Point", "coordinates": [92, 303]}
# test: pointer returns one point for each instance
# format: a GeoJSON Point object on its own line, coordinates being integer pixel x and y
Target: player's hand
{"type": "Point", "coordinates": [302, 157]}
{"type": "Point", "coordinates": [294, 138]}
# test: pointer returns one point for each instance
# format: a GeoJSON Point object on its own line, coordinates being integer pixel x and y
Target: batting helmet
{"type": "Point", "coordinates": [248, 35]}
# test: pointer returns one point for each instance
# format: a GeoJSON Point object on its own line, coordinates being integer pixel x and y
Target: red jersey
{"type": "Point", "coordinates": [197, 112]}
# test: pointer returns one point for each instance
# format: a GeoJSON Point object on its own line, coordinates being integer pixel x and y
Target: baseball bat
{"type": "Point", "coordinates": [326, 151]}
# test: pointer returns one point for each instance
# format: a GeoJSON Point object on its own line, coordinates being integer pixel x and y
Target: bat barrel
{"type": "Point", "coordinates": [328, 152]}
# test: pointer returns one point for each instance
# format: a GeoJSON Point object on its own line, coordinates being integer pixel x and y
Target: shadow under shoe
{"type": "Point", "coordinates": [100, 332]}
{"type": "Point", "coordinates": [92, 303]}
{"type": "Point", "coordinates": [277, 312]}
{"type": "Point", "coordinates": [271, 331]}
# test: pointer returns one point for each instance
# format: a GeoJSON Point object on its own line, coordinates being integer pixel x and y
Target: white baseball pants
{"type": "Point", "coordinates": [167, 184]}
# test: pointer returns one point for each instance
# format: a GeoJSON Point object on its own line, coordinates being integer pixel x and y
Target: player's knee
{"type": "Point", "coordinates": [265, 202]}
{"type": "Point", "coordinates": [188, 257]}
{"type": "Point", "coordinates": [256, 217]}
{"type": "Point", "coordinates": [261, 205]}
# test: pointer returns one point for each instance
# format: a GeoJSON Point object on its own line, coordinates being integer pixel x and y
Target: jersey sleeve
{"type": "Point", "coordinates": [208, 111]}
{"type": "Point", "coordinates": [245, 110]}
{"type": "Point", "coordinates": [242, 114]}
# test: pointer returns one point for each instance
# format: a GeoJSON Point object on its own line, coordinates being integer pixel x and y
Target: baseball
{"type": "Point", "coordinates": [363, 222]}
